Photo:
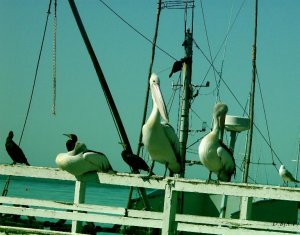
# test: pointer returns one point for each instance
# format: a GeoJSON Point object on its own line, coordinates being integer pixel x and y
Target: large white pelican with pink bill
{"type": "Point", "coordinates": [159, 138]}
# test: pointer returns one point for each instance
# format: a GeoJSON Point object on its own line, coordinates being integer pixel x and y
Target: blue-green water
{"type": "Point", "coordinates": [58, 190]}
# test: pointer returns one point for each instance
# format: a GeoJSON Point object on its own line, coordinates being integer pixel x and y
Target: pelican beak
{"type": "Point", "coordinates": [159, 102]}
{"type": "Point", "coordinates": [222, 125]}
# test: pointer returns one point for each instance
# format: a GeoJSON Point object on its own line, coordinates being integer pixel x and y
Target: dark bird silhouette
{"type": "Point", "coordinates": [134, 161]}
{"type": "Point", "coordinates": [177, 66]}
{"type": "Point", "coordinates": [70, 144]}
{"type": "Point", "coordinates": [14, 151]}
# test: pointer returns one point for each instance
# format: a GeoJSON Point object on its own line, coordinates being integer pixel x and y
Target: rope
{"type": "Point", "coordinates": [36, 71]}
{"type": "Point", "coordinates": [54, 58]}
{"type": "Point", "coordinates": [5, 188]}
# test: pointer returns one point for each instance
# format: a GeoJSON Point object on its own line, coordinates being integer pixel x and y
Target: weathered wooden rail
{"type": "Point", "coordinates": [168, 220]}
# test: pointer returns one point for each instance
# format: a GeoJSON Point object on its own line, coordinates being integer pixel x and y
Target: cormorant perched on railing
{"type": "Point", "coordinates": [134, 161]}
{"type": "Point", "coordinates": [14, 151]}
{"type": "Point", "coordinates": [70, 144]}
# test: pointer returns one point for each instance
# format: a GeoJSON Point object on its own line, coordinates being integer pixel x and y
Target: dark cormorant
{"type": "Point", "coordinates": [70, 144]}
{"type": "Point", "coordinates": [134, 161]}
{"type": "Point", "coordinates": [177, 66]}
{"type": "Point", "coordinates": [14, 151]}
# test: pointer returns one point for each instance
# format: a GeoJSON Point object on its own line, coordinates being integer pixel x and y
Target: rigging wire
{"type": "Point", "coordinates": [224, 53]}
{"type": "Point", "coordinates": [36, 70]}
{"type": "Point", "coordinates": [265, 114]}
{"type": "Point", "coordinates": [221, 46]}
{"type": "Point", "coordinates": [136, 30]}
{"type": "Point", "coordinates": [208, 44]}
{"type": "Point", "coordinates": [54, 57]}
{"type": "Point", "coordinates": [149, 73]}
{"type": "Point", "coordinates": [5, 188]}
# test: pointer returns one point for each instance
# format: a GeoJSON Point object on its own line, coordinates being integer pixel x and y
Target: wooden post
{"type": "Point", "coordinates": [246, 208]}
{"type": "Point", "coordinates": [79, 197]}
{"type": "Point", "coordinates": [170, 208]}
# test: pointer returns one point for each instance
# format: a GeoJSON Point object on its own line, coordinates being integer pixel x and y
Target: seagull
{"type": "Point", "coordinates": [213, 153]}
{"type": "Point", "coordinates": [134, 161]}
{"type": "Point", "coordinates": [81, 160]}
{"type": "Point", "coordinates": [286, 175]}
{"type": "Point", "coordinates": [14, 151]}
{"type": "Point", "coordinates": [160, 139]}
{"type": "Point", "coordinates": [70, 144]}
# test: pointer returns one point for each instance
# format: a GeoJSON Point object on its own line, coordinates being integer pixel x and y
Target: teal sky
{"type": "Point", "coordinates": [125, 57]}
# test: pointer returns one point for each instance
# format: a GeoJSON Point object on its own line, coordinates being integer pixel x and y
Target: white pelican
{"type": "Point", "coordinates": [80, 161]}
{"type": "Point", "coordinates": [215, 155]}
{"type": "Point", "coordinates": [286, 175]}
{"type": "Point", "coordinates": [159, 138]}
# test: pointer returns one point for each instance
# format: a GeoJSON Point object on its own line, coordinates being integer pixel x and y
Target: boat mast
{"type": "Point", "coordinates": [106, 90]}
{"type": "Point", "coordinates": [251, 105]}
{"type": "Point", "coordinates": [186, 97]}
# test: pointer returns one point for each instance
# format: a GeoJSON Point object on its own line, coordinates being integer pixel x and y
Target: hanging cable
{"type": "Point", "coordinates": [54, 57]}
{"type": "Point", "coordinates": [36, 71]}
{"type": "Point", "coordinates": [5, 188]}
{"type": "Point", "coordinates": [265, 114]}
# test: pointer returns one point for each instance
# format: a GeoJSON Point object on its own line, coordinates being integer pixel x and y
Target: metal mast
{"type": "Point", "coordinates": [186, 97]}
{"type": "Point", "coordinates": [252, 96]}
{"type": "Point", "coordinates": [105, 88]}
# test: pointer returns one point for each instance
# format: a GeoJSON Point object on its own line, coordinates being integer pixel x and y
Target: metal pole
{"type": "Point", "coordinates": [186, 97]}
{"type": "Point", "coordinates": [252, 95]}
{"type": "Point", "coordinates": [105, 87]}
{"type": "Point", "coordinates": [100, 74]}
{"type": "Point", "coordinates": [297, 166]}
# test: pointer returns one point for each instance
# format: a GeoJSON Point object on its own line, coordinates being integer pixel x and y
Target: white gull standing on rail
{"type": "Point", "coordinates": [159, 138]}
{"type": "Point", "coordinates": [286, 175]}
{"type": "Point", "coordinates": [213, 153]}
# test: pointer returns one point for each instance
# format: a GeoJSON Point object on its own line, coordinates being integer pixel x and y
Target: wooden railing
{"type": "Point", "coordinates": [168, 220]}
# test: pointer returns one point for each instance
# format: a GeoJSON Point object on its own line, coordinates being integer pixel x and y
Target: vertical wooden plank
{"type": "Point", "coordinates": [246, 208]}
{"type": "Point", "coordinates": [170, 208]}
{"type": "Point", "coordinates": [223, 206]}
{"type": "Point", "coordinates": [79, 197]}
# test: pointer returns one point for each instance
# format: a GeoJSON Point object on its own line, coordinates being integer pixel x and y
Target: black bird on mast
{"type": "Point", "coordinates": [177, 66]}
{"type": "Point", "coordinates": [70, 144]}
{"type": "Point", "coordinates": [14, 151]}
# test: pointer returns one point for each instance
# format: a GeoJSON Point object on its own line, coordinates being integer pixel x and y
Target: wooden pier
{"type": "Point", "coordinates": [168, 221]}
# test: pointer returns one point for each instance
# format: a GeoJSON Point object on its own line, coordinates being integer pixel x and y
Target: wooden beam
{"type": "Point", "coordinates": [180, 184]}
